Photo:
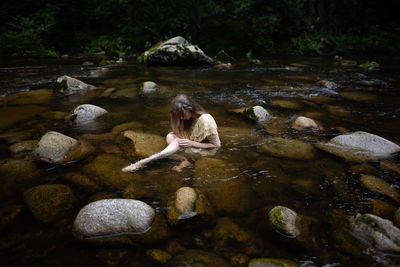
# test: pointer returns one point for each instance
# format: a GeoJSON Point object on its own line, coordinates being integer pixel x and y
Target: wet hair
{"type": "Point", "coordinates": [178, 106]}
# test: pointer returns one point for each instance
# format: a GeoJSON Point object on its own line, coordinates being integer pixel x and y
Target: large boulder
{"type": "Point", "coordinates": [49, 203]}
{"type": "Point", "coordinates": [175, 51]}
{"type": "Point", "coordinates": [189, 203]}
{"type": "Point", "coordinates": [359, 147]}
{"type": "Point", "coordinates": [288, 148]}
{"type": "Point", "coordinates": [118, 221]}
{"type": "Point", "coordinates": [86, 113]}
{"type": "Point", "coordinates": [68, 85]}
{"type": "Point", "coordinates": [57, 148]}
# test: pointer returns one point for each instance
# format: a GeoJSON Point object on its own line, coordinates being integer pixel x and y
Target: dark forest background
{"type": "Point", "coordinates": [128, 27]}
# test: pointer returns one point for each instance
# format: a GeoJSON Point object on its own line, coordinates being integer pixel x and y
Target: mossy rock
{"type": "Point", "coordinates": [175, 51]}
{"type": "Point", "coordinates": [284, 220]}
{"type": "Point", "coordinates": [370, 65]}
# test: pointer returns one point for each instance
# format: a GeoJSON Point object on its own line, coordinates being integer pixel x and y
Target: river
{"type": "Point", "coordinates": [322, 188]}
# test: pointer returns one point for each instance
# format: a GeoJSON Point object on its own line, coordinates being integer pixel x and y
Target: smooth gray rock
{"type": "Point", "coordinates": [359, 146]}
{"type": "Point", "coordinates": [86, 113]}
{"type": "Point", "coordinates": [55, 147]}
{"type": "Point", "coordinates": [68, 85]}
{"type": "Point", "coordinates": [110, 217]}
{"type": "Point", "coordinates": [175, 51]}
{"type": "Point", "coordinates": [376, 232]}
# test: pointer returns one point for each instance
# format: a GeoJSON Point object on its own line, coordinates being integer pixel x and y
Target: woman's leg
{"type": "Point", "coordinates": [172, 147]}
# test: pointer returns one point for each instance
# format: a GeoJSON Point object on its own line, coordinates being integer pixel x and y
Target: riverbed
{"type": "Point", "coordinates": [323, 188]}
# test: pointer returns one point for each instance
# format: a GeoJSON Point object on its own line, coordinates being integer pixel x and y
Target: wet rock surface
{"type": "Point", "coordinates": [113, 220]}
{"type": "Point", "coordinates": [359, 146]}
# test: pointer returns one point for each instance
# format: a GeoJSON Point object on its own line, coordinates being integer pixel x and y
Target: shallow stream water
{"type": "Point", "coordinates": [319, 188]}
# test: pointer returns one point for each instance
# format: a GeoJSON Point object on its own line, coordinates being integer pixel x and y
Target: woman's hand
{"type": "Point", "coordinates": [185, 142]}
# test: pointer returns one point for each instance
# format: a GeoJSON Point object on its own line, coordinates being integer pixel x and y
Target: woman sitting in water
{"type": "Point", "coordinates": [192, 129]}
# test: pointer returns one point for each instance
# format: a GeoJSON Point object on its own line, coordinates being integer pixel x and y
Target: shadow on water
{"type": "Point", "coordinates": [248, 185]}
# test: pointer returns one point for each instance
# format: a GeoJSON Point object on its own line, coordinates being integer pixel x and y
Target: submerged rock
{"type": "Point", "coordinates": [380, 186]}
{"type": "Point", "coordinates": [227, 232]}
{"type": "Point", "coordinates": [146, 144]}
{"type": "Point", "coordinates": [23, 148]}
{"type": "Point", "coordinates": [224, 185]}
{"type": "Point", "coordinates": [175, 51]}
{"type": "Point", "coordinates": [359, 146]}
{"type": "Point", "coordinates": [196, 257]}
{"type": "Point", "coordinates": [57, 148]}
{"type": "Point", "coordinates": [190, 203]}
{"type": "Point", "coordinates": [288, 148]}
{"type": "Point", "coordinates": [34, 97]}
{"type": "Point", "coordinates": [17, 175]}
{"type": "Point", "coordinates": [68, 85]}
{"type": "Point", "coordinates": [105, 169]}
{"type": "Point", "coordinates": [268, 262]}
{"type": "Point", "coordinates": [382, 209]}
{"type": "Point", "coordinates": [87, 113]}
{"type": "Point", "coordinates": [49, 203]}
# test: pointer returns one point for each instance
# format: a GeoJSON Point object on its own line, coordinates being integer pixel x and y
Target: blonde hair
{"type": "Point", "coordinates": [178, 106]}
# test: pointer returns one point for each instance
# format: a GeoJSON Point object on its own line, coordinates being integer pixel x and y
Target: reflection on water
{"type": "Point", "coordinates": [246, 183]}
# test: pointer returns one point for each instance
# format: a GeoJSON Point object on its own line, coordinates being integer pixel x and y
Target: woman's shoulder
{"type": "Point", "coordinates": [206, 120]}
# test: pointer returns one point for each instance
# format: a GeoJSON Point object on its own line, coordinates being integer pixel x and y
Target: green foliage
{"type": "Point", "coordinates": [307, 44]}
{"type": "Point", "coordinates": [120, 27]}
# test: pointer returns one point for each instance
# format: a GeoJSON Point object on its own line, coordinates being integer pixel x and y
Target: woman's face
{"type": "Point", "coordinates": [187, 115]}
